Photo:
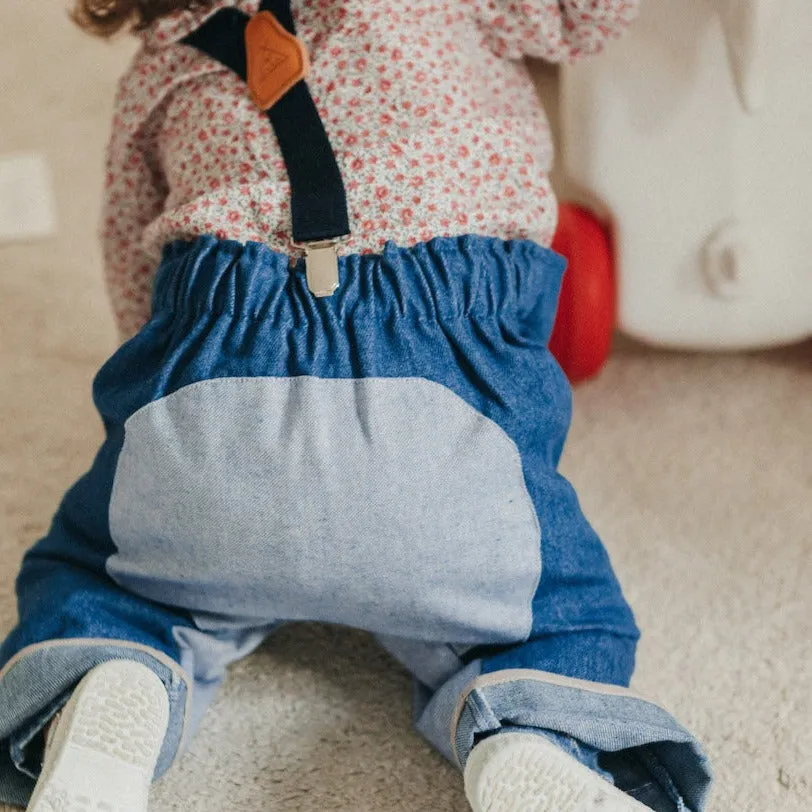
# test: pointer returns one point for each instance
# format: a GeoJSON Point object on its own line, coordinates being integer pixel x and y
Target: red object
{"type": "Point", "coordinates": [585, 321]}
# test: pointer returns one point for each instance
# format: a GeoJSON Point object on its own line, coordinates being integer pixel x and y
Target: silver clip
{"type": "Point", "coordinates": [321, 265]}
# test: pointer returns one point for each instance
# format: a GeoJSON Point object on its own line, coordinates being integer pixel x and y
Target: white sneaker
{"type": "Point", "coordinates": [523, 772]}
{"type": "Point", "coordinates": [101, 752]}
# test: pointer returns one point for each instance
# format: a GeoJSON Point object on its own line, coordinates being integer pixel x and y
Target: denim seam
{"type": "Point", "coordinates": [480, 709]}
{"type": "Point", "coordinates": [662, 777]}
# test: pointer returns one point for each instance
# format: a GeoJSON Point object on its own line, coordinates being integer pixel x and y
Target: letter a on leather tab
{"type": "Point", "coordinates": [277, 60]}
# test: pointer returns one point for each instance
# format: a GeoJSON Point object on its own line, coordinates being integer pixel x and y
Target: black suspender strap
{"type": "Point", "coordinates": [318, 198]}
{"type": "Point", "coordinates": [281, 10]}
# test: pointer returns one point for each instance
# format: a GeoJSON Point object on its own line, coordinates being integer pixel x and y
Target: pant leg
{"type": "Point", "coordinates": [75, 615]}
{"type": "Point", "coordinates": [72, 617]}
{"type": "Point", "coordinates": [568, 678]}
{"type": "Point", "coordinates": [629, 739]}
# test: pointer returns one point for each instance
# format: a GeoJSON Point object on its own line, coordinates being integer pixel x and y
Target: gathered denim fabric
{"type": "Point", "coordinates": [385, 459]}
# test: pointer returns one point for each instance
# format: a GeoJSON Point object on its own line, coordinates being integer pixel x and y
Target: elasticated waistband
{"type": "Point", "coordinates": [443, 279]}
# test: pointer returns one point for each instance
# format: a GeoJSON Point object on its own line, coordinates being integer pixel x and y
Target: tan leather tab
{"type": "Point", "coordinates": [276, 59]}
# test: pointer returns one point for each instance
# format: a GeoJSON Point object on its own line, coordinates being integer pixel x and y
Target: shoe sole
{"type": "Point", "coordinates": [104, 749]}
{"type": "Point", "coordinates": [520, 772]}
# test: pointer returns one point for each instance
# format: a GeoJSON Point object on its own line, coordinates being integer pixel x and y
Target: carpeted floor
{"type": "Point", "coordinates": [696, 470]}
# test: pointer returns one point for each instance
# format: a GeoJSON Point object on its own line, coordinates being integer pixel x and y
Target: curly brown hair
{"type": "Point", "coordinates": [107, 17]}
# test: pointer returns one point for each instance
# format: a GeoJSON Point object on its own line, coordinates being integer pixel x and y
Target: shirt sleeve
{"type": "Point", "coordinates": [133, 197]}
{"type": "Point", "coordinates": [550, 30]}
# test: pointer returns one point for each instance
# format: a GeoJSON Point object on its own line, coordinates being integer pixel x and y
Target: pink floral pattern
{"type": "Point", "coordinates": [431, 112]}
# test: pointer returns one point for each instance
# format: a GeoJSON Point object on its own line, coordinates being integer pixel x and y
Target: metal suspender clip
{"type": "Point", "coordinates": [321, 266]}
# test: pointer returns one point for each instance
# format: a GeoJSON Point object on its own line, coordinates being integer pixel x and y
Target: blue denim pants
{"type": "Point", "coordinates": [384, 459]}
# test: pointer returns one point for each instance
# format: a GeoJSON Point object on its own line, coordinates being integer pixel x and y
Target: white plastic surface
{"type": "Point", "coordinates": [696, 133]}
{"type": "Point", "coordinates": [752, 33]}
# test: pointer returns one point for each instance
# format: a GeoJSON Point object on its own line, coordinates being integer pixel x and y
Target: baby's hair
{"type": "Point", "coordinates": [107, 17]}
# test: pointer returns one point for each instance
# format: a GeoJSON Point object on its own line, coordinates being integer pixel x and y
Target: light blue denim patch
{"type": "Point", "coordinates": [386, 504]}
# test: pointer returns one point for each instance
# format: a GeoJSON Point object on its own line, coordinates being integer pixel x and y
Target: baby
{"type": "Point", "coordinates": [325, 237]}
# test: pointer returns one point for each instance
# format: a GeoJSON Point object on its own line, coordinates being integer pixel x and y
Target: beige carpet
{"type": "Point", "coordinates": [696, 470]}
